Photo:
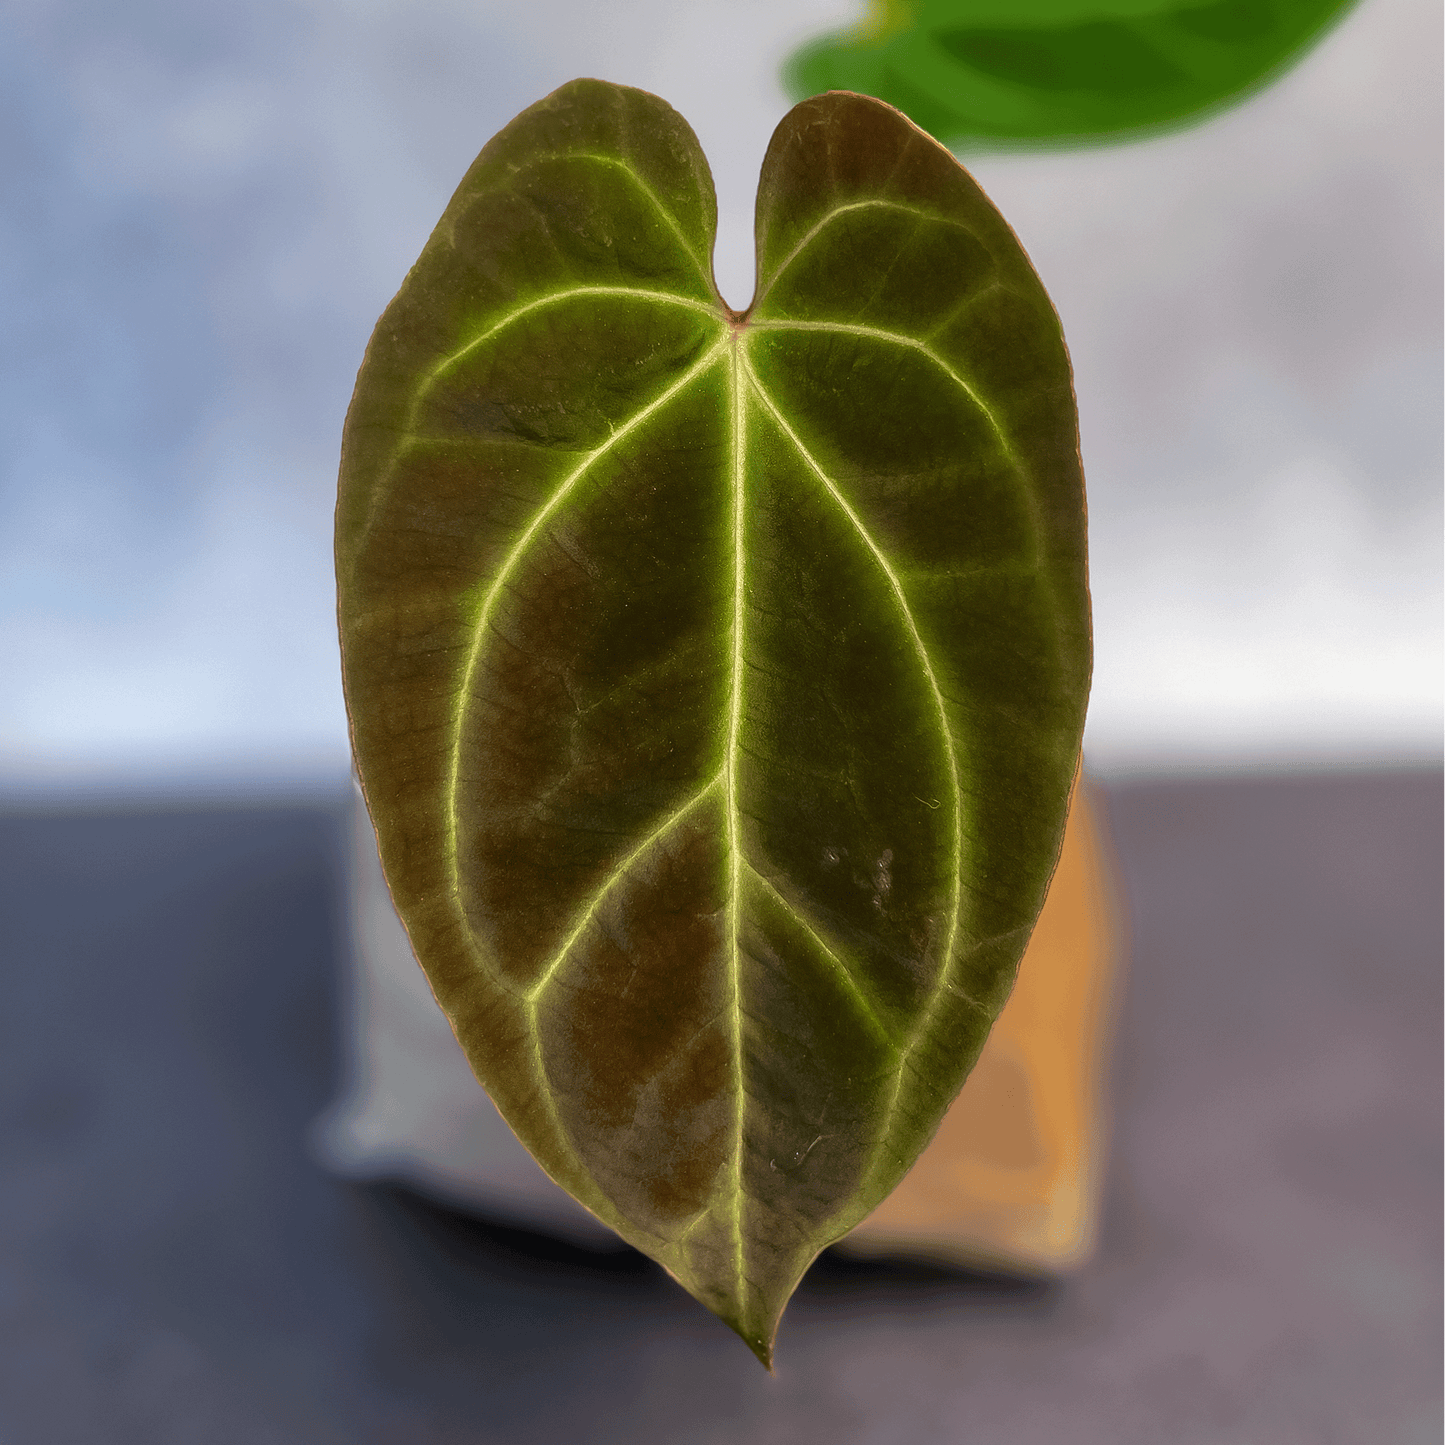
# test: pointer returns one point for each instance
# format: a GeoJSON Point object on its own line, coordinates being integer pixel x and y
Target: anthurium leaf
{"type": "Point", "coordinates": [978, 71]}
{"type": "Point", "coordinates": [716, 680]}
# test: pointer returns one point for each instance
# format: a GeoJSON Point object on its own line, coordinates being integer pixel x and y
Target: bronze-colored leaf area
{"type": "Point", "coordinates": [716, 681]}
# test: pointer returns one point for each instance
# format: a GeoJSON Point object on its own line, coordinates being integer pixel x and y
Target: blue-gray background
{"type": "Point", "coordinates": [203, 208]}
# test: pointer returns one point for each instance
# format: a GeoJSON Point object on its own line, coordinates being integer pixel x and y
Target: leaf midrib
{"type": "Point", "coordinates": [730, 765]}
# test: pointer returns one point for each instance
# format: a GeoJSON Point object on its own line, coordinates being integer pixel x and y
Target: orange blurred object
{"type": "Point", "coordinates": [1012, 1179]}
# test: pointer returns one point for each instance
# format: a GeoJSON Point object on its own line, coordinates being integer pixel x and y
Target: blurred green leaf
{"type": "Point", "coordinates": [981, 72]}
{"type": "Point", "coordinates": [716, 681]}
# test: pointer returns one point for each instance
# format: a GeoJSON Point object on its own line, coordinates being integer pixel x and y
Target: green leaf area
{"type": "Point", "coordinates": [979, 72]}
{"type": "Point", "coordinates": [716, 680]}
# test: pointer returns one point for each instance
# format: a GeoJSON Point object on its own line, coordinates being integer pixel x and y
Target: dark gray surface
{"type": "Point", "coordinates": [173, 1270]}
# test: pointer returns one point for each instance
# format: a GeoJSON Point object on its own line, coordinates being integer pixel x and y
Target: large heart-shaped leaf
{"type": "Point", "coordinates": [979, 71]}
{"type": "Point", "coordinates": [716, 680]}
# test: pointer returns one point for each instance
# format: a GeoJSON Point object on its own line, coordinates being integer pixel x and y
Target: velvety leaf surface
{"type": "Point", "coordinates": [716, 681]}
{"type": "Point", "coordinates": [975, 71]}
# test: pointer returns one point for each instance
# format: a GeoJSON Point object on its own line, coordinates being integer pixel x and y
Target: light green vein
{"type": "Point", "coordinates": [411, 439]}
{"type": "Point", "coordinates": [925, 662]}
{"type": "Point", "coordinates": [730, 774]}
{"type": "Point", "coordinates": [944, 984]}
{"type": "Point", "coordinates": [589, 909]}
{"type": "Point", "coordinates": [483, 620]}
{"type": "Point", "coordinates": [651, 195]}
{"type": "Point", "coordinates": [635, 178]}
{"type": "Point", "coordinates": [895, 338]}
{"type": "Point", "coordinates": [551, 298]}
{"type": "Point", "coordinates": [876, 333]}
{"type": "Point", "coordinates": [829, 217]}
{"type": "Point", "coordinates": [861, 1001]}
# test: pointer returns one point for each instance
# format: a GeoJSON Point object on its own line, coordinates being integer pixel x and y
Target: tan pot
{"type": "Point", "coordinates": [1012, 1178]}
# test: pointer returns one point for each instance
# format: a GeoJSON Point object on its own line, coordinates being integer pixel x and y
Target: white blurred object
{"type": "Point", "coordinates": [410, 1109]}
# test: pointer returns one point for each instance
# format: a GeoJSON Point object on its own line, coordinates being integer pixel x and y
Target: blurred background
{"type": "Point", "coordinates": [206, 207]}
{"type": "Point", "coordinates": [203, 209]}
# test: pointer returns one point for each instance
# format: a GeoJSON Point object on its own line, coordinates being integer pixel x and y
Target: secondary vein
{"type": "Point", "coordinates": [860, 1000]}
{"type": "Point", "coordinates": [925, 662]}
{"type": "Point", "coordinates": [590, 908]}
{"type": "Point", "coordinates": [896, 338]}
{"type": "Point", "coordinates": [827, 219]}
{"type": "Point", "coordinates": [551, 298]}
{"type": "Point", "coordinates": [652, 196]}
{"type": "Point", "coordinates": [483, 620]}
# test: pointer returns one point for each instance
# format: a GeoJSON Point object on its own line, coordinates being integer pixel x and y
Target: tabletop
{"type": "Point", "coordinates": [176, 1270]}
